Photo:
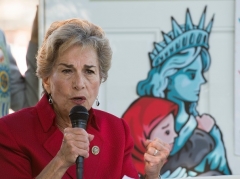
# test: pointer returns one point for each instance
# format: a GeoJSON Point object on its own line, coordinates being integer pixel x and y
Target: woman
{"type": "Point", "coordinates": [72, 63]}
{"type": "Point", "coordinates": [150, 117]}
{"type": "Point", "coordinates": [147, 121]}
{"type": "Point", "coordinates": [180, 81]}
{"type": "Point", "coordinates": [176, 75]}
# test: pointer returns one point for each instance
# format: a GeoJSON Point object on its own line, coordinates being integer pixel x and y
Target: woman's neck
{"type": "Point", "coordinates": [62, 122]}
{"type": "Point", "coordinates": [182, 116]}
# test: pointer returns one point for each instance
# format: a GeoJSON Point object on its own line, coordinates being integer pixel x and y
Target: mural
{"type": "Point", "coordinates": [167, 104]}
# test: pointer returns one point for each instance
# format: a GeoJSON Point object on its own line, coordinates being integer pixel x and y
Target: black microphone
{"type": "Point", "coordinates": [79, 118]}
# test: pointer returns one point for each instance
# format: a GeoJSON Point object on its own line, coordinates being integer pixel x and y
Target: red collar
{"type": "Point", "coordinates": [47, 115]}
{"type": "Point", "coordinates": [92, 121]}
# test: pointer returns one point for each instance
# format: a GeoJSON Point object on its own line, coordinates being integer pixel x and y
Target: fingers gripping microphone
{"type": "Point", "coordinates": [79, 118]}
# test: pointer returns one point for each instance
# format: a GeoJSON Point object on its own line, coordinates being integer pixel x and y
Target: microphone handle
{"type": "Point", "coordinates": [79, 167]}
{"type": "Point", "coordinates": [79, 160]}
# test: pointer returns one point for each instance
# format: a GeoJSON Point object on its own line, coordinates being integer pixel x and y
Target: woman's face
{"type": "Point", "coordinates": [75, 79]}
{"type": "Point", "coordinates": [165, 130]}
{"type": "Point", "coordinates": [185, 84]}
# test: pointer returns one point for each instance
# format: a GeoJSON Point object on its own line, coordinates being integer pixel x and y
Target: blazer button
{"type": "Point", "coordinates": [95, 150]}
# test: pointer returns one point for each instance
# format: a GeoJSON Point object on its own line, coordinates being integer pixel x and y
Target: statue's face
{"type": "Point", "coordinates": [185, 84]}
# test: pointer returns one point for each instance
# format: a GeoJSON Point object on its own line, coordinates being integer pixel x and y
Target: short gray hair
{"type": "Point", "coordinates": [62, 35]}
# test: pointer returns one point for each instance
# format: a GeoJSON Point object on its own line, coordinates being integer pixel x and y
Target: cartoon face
{"type": "Point", "coordinates": [185, 84]}
{"type": "Point", "coordinates": [165, 130]}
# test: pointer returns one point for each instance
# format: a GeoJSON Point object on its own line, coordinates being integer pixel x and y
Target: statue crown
{"type": "Point", "coordinates": [181, 38]}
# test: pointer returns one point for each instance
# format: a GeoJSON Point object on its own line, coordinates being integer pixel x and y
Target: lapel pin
{"type": "Point", "coordinates": [95, 150]}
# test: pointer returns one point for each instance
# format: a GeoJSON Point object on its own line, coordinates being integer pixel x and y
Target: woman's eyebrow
{"type": "Point", "coordinates": [190, 70]}
{"type": "Point", "coordinates": [66, 65]}
{"type": "Point", "coordinates": [89, 66]}
{"type": "Point", "coordinates": [165, 126]}
{"type": "Point", "coordinates": [71, 66]}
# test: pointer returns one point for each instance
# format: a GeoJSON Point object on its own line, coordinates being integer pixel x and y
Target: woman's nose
{"type": "Point", "coordinates": [200, 78]}
{"type": "Point", "coordinates": [78, 82]}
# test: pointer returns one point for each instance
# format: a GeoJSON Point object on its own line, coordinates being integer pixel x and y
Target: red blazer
{"type": "Point", "coordinates": [29, 139]}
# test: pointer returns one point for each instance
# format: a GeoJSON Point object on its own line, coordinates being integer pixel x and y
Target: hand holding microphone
{"type": "Point", "coordinates": [79, 118]}
{"type": "Point", "coordinates": [76, 141]}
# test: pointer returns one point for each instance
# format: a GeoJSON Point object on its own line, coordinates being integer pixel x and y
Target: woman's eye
{"type": "Point", "coordinates": [167, 132]}
{"type": "Point", "coordinates": [192, 76]}
{"type": "Point", "coordinates": [67, 71]}
{"type": "Point", "coordinates": [89, 71]}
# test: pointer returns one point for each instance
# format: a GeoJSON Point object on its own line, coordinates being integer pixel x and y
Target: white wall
{"type": "Point", "coordinates": [133, 26]}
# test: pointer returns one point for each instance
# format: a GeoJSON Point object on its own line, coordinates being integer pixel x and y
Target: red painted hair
{"type": "Point", "coordinates": [142, 117]}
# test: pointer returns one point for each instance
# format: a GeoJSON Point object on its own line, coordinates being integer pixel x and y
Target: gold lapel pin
{"type": "Point", "coordinates": [95, 150]}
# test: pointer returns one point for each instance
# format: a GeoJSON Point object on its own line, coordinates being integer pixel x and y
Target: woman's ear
{"type": "Point", "coordinates": [46, 84]}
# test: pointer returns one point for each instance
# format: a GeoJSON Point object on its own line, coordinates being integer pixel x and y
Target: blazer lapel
{"type": "Point", "coordinates": [93, 162]}
{"type": "Point", "coordinates": [53, 144]}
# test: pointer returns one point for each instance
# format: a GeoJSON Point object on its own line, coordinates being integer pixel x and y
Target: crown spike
{"type": "Point", "coordinates": [152, 56]}
{"type": "Point", "coordinates": [181, 37]}
{"type": "Point", "coordinates": [202, 20]}
{"type": "Point", "coordinates": [209, 26]}
{"type": "Point", "coordinates": [189, 24]}
{"type": "Point", "coordinates": [162, 44]}
{"type": "Point", "coordinates": [176, 28]}
{"type": "Point", "coordinates": [158, 47]}
{"type": "Point", "coordinates": [155, 52]}
{"type": "Point", "coordinates": [167, 39]}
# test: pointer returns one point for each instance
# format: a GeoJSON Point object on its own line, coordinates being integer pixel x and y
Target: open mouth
{"type": "Point", "coordinates": [78, 100]}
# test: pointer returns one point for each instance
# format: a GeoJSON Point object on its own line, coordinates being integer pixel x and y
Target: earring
{"type": "Point", "coordinates": [50, 100]}
{"type": "Point", "coordinates": [97, 102]}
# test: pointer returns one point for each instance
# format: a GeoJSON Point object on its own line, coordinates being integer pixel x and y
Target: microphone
{"type": "Point", "coordinates": [79, 117]}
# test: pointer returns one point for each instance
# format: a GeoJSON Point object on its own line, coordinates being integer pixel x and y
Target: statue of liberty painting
{"type": "Point", "coordinates": [167, 105]}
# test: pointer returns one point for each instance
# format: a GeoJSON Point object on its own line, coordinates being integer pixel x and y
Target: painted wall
{"type": "Point", "coordinates": [133, 27]}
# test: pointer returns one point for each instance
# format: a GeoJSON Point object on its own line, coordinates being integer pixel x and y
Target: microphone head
{"type": "Point", "coordinates": [79, 116]}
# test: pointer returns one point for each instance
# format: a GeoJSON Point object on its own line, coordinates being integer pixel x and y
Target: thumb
{"type": "Point", "coordinates": [90, 137]}
{"type": "Point", "coordinates": [147, 142]}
